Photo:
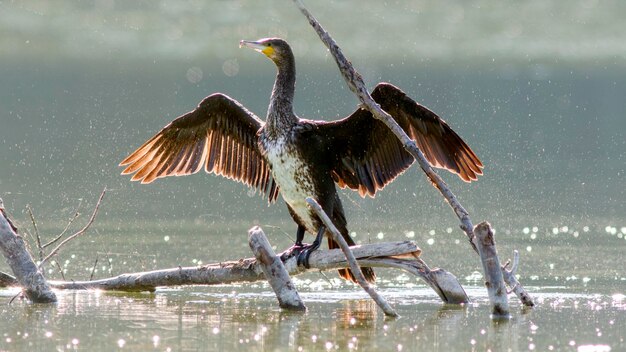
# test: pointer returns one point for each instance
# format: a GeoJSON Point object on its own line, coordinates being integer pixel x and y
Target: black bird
{"type": "Point", "coordinates": [301, 158]}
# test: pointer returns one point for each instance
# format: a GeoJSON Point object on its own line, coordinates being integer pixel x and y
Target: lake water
{"type": "Point", "coordinates": [536, 89]}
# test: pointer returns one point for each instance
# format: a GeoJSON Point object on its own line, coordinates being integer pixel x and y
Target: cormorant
{"type": "Point", "coordinates": [301, 158]}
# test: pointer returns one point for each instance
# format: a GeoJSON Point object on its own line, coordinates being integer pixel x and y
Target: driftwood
{"type": "Point", "coordinates": [401, 255]}
{"type": "Point", "coordinates": [274, 271]}
{"type": "Point", "coordinates": [357, 86]}
{"type": "Point", "coordinates": [19, 259]}
{"type": "Point", "coordinates": [354, 266]}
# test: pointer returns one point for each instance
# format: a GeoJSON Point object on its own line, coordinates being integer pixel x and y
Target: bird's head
{"type": "Point", "coordinates": [275, 48]}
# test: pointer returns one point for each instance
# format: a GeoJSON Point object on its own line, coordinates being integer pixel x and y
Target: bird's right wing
{"type": "Point", "coordinates": [219, 135]}
{"type": "Point", "coordinates": [369, 156]}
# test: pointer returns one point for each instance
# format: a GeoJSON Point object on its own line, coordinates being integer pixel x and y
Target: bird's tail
{"type": "Point", "coordinates": [347, 274]}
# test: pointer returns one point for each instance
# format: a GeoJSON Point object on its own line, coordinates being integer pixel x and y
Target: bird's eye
{"type": "Point", "coordinates": [269, 44]}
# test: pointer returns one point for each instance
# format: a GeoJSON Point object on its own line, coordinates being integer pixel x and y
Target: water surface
{"type": "Point", "coordinates": [535, 88]}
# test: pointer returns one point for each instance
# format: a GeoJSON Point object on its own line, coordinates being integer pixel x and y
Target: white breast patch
{"type": "Point", "coordinates": [294, 179]}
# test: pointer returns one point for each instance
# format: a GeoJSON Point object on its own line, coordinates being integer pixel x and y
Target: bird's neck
{"type": "Point", "coordinates": [280, 116]}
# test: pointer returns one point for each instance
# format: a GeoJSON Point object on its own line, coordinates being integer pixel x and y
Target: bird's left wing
{"type": "Point", "coordinates": [368, 155]}
{"type": "Point", "coordinates": [219, 135]}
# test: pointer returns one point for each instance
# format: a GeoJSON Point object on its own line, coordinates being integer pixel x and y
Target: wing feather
{"type": "Point", "coordinates": [368, 160]}
{"type": "Point", "coordinates": [220, 135]}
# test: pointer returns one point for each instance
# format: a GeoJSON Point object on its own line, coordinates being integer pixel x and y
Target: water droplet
{"type": "Point", "coordinates": [430, 241]}
{"type": "Point", "coordinates": [230, 67]}
{"type": "Point", "coordinates": [194, 75]}
{"type": "Point", "coordinates": [380, 235]}
{"type": "Point", "coordinates": [121, 343]}
{"type": "Point", "coordinates": [166, 238]}
{"type": "Point", "coordinates": [410, 234]}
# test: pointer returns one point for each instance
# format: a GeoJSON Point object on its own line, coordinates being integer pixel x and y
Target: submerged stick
{"type": "Point", "coordinates": [354, 266]}
{"type": "Point", "coordinates": [274, 271]}
{"type": "Point", "coordinates": [494, 280]}
{"type": "Point", "coordinates": [26, 272]}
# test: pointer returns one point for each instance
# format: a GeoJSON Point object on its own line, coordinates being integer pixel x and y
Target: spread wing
{"type": "Point", "coordinates": [220, 135]}
{"type": "Point", "coordinates": [369, 156]}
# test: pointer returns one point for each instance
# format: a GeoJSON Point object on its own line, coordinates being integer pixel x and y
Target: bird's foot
{"type": "Point", "coordinates": [301, 251]}
{"type": "Point", "coordinates": [303, 257]}
{"type": "Point", "coordinates": [305, 253]}
{"type": "Point", "coordinates": [292, 251]}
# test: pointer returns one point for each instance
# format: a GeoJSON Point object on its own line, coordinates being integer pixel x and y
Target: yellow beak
{"type": "Point", "coordinates": [262, 48]}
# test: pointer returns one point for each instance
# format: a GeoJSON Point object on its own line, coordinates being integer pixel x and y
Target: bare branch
{"type": "Point", "coordinates": [76, 215]}
{"type": "Point", "coordinates": [37, 237]}
{"type": "Point", "coordinates": [80, 232]}
{"type": "Point", "coordinates": [400, 255]}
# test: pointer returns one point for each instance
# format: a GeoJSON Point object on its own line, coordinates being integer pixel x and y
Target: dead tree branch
{"type": "Point", "coordinates": [401, 255]}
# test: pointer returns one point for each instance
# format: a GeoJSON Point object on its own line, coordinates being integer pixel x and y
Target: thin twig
{"type": "Point", "coordinates": [37, 237]}
{"type": "Point", "coordinates": [354, 266]}
{"type": "Point", "coordinates": [80, 232]}
{"type": "Point", "coordinates": [76, 215]}
{"type": "Point", "coordinates": [93, 269]}
{"type": "Point", "coordinates": [60, 269]}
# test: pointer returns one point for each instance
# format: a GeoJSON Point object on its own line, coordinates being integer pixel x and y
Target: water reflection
{"type": "Point", "coordinates": [217, 319]}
